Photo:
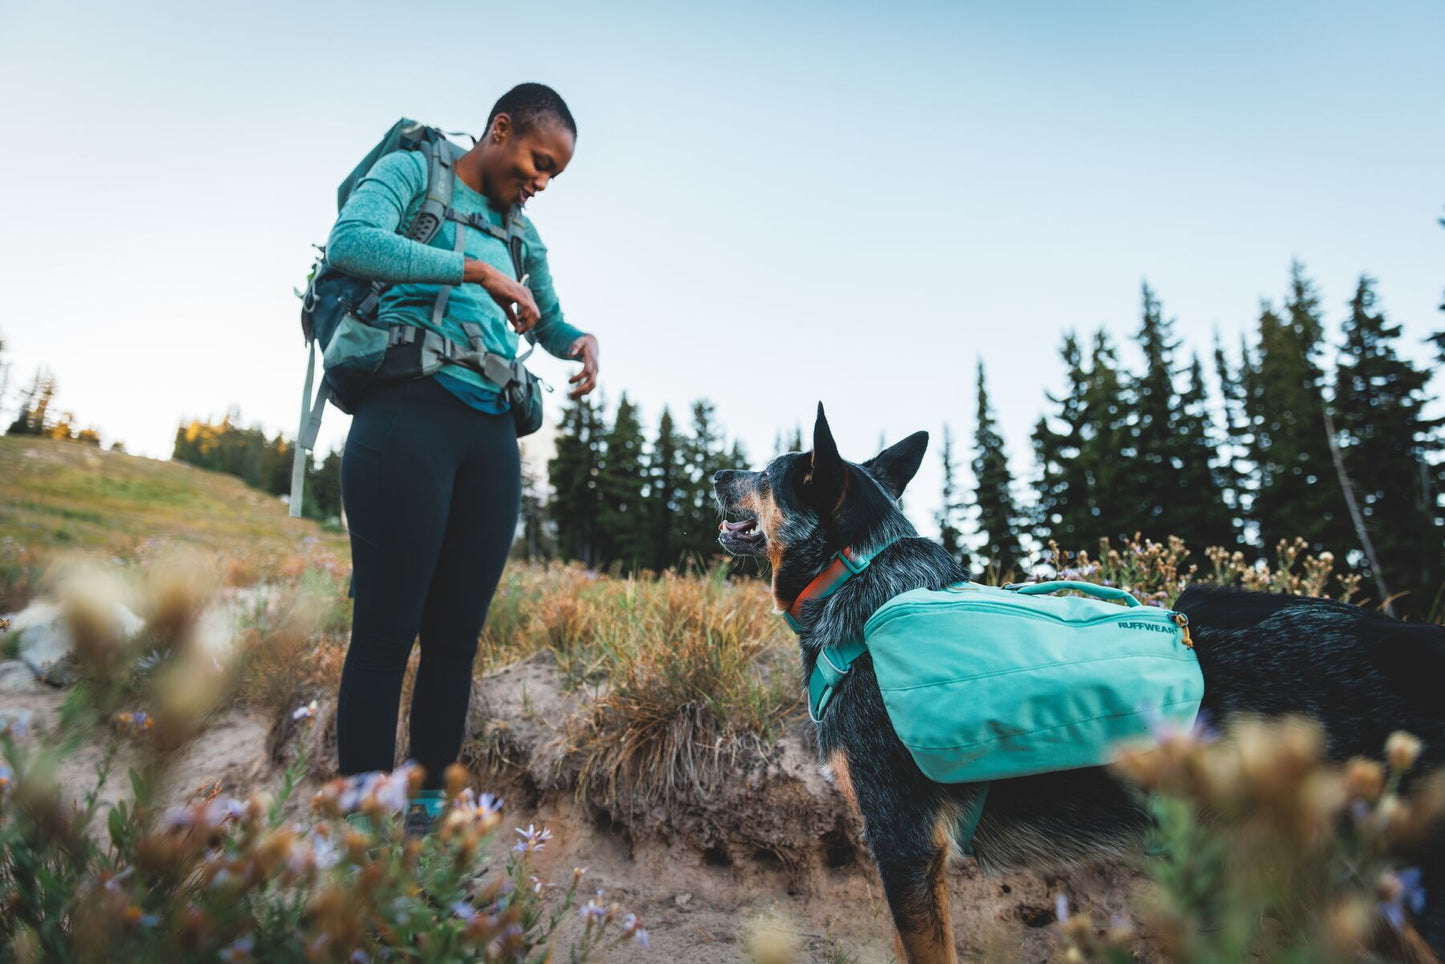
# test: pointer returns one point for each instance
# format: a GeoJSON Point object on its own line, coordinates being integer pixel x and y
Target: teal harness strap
{"type": "Point", "coordinates": [834, 662]}
{"type": "Point", "coordinates": [968, 820]}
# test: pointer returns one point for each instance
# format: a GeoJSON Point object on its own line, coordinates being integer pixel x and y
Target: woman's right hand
{"type": "Point", "coordinates": [515, 298]}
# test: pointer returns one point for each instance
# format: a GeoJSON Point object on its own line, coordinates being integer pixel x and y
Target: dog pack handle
{"type": "Point", "coordinates": [1111, 593]}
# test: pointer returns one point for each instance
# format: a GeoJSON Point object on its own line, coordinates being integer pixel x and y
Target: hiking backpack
{"type": "Point", "coordinates": [339, 312]}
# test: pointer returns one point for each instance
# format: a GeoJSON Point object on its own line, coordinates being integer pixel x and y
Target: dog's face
{"type": "Point", "coordinates": [803, 507]}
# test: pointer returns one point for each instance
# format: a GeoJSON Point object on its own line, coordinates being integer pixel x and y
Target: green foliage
{"type": "Point", "coordinates": [261, 462]}
{"type": "Point", "coordinates": [998, 516]}
{"type": "Point", "coordinates": [951, 506]}
{"type": "Point", "coordinates": [1387, 447]}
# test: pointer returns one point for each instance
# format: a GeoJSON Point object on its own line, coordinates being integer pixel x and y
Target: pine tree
{"type": "Point", "coordinates": [1061, 511]}
{"type": "Point", "coordinates": [34, 417]}
{"type": "Point", "coordinates": [1106, 451]}
{"type": "Point", "coordinates": [622, 517]}
{"type": "Point", "coordinates": [573, 471]}
{"type": "Point", "coordinates": [948, 513]}
{"type": "Point", "coordinates": [665, 493]}
{"type": "Point", "coordinates": [535, 542]}
{"type": "Point", "coordinates": [998, 516]}
{"type": "Point", "coordinates": [1198, 513]}
{"type": "Point", "coordinates": [1298, 493]}
{"type": "Point", "coordinates": [1153, 481]}
{"type": "Point", "coordinates": [1232, 468]}
{"type": "Point", "coordinates": [702, 456]}
{"type": "Point", "coordinates": [1386, 447]}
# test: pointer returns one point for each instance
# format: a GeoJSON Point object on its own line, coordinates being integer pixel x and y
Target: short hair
{"type": "Point", "coordinates": [529, 105]}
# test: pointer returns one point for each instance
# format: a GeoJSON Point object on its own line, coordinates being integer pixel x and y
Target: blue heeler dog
{"type": "Point", "coordinates": [1360, 674]}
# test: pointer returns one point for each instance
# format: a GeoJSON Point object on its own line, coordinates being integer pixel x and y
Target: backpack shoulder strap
{"type": "Point", "coordinates": [440, 180]}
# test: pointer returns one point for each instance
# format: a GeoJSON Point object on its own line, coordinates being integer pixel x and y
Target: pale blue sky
{"type": "Point", "coordinates": [770, 203]}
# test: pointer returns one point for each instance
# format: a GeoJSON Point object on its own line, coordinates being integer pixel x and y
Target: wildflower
{"type": "Point", "coordinates": [219, 811]}
{"type": "Point", "coordinates": [631, 929]}
{"type": "Point", "coordinates": [176, 818]}
{"type": "Point", "coordinates": [1398, 891]}
{"type": "Point", "coordinates": [134, 721]}
{"type": "Point", "coordinates": [307, 712]}
{"type": "Point", "coordinates": [15, 724]}
{"type": "Point", "coordinates": [7, 777]}
{"type": "Point", "coordinates": [1402, 750]}
{"type": "Point", "coordinates": [112, 881]}
{"type": "Point", "coordinates": [532, 839]}
{"type": "Point", "coordinates": [594, 911]}
{"type": "Point", "coordinates": [134, 915]}
{"type": "Point", "coordinates": [464, 910]}
{"type": "Point", "coordinates": [238, 950]}
{"type": "Point", "coordinates": [151, 660]}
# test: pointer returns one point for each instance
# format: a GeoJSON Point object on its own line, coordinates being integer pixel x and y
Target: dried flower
{"type": "Point", "coordinates": [1402, 750]}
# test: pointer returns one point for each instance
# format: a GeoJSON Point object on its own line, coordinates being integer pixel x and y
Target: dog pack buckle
{"type": "Point", "coordinates": [853, 565]}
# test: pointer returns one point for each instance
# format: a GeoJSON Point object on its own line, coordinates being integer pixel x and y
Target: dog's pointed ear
{"type": "Point", "coordinates": [896, 465]}
{"type": "Point", "coordinates": [828, 477]}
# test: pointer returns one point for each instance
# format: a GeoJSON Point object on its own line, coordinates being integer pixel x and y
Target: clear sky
{"type": "Point", "coordinates": [770, 204]}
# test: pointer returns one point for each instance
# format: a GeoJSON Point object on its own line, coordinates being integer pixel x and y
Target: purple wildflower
{"type": "Point", "coordinates": [532, 839]}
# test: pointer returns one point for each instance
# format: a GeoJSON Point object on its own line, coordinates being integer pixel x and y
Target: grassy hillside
{"type": "Point", "coordinates": [59, 498]}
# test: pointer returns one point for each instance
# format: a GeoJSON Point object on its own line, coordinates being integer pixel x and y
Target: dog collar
{"type": "Point", "coordinates": [845, 564]}
{"type": "Point", "coordinates": [835, 661]}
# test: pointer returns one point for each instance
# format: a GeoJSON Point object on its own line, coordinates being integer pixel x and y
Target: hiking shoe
{"type": "Point", "coordinates": [422, 813]}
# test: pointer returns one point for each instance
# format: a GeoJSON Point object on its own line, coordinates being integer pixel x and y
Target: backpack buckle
{"type": "Point", "coordinates": [853, 564]}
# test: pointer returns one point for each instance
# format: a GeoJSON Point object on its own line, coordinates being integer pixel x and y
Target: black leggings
{"type": "Point", "coordinates": [431, 488]}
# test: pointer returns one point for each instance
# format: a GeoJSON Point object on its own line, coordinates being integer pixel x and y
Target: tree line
{"type": "Point", "coordinates": [1299, 431]}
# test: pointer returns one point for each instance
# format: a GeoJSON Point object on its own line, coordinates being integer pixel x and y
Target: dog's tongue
{"type": "Point", "coordinates": [726, 526]}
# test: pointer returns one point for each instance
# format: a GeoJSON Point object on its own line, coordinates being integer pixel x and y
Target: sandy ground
{"type": "Point", "coordinates": [776, 848]}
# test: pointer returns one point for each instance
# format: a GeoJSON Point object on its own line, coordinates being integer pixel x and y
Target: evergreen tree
{"type": "Point", "coordinates": [573, 472]}
{"type": "Point", "coordinates": [535, 542]}
{"type": "Point", "coordinates": [948, 513]}
{"type": "Point", "coordinates": [666, 493]}
{"type": "Point", "coordinates": [1106, 451]}
{"type": "Point", "coordinates": [1153, 480]}
{"type": "Point", "coordinates": [1386, 446]}
{"type": "Point", "coordinates": [1061, 511]}
{"type": "Point", "coordinates": [1232, 469]}
{"type": "Point", "coordinates": [622, 521]}
{"type": "Point", "coordinates": [323, 488]}
{"type": "Point", "coordinates": [1298, 493]}
{"type": "Point", "coordinates": [998, 516]}
{"type": "Point", "coordinates": [1199, 514]}
{"type": "Point", "coordinates": [702, 455]}
{"type": "Point", "coordinates": [34, 417]}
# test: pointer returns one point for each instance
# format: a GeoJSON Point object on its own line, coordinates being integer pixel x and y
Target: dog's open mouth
{"type": "Point", "coordinates": [744, 537]}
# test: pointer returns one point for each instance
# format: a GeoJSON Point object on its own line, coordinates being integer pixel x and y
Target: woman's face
{"type": "Point", "coordinates": [515, 167]}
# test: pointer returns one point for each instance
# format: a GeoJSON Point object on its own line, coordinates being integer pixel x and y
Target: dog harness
{"type": "Point", "coordinates": [983, 683]}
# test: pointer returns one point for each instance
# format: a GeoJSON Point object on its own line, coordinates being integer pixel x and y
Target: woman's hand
{"type": "Point", "coordinates": [585, 349]}
{"type": "Point", "coordinates": [515, 298]}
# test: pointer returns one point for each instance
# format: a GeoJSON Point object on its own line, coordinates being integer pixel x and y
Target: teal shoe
{"type": "Point", "coordinates": [423, 811]}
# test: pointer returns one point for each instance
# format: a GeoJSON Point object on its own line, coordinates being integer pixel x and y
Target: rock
{"type": "Point", "coordinates": [46, 645]}
{"type": "Point", "coordinates": [16, 677]}
{"type": "Point", "coordinates": [682, 899]}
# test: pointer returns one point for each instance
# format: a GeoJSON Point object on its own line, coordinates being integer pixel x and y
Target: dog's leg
{"type": "Point", "coordinates": [909, 835]}
{"type": "Point", "coordinates": [917, 890]}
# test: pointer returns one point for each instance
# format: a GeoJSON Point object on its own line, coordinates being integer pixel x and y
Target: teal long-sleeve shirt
{"type": "Point", "coordinates": [364, 243]}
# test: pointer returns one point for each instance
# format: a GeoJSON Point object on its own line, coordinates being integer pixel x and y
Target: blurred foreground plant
{"type": "Point", "coordinates": [1270, 853]}
{"type": "Point", "coordinates": [233, 880]}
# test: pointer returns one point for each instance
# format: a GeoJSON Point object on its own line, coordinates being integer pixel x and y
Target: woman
{"type": "Point", "coordinates": [430, 476]}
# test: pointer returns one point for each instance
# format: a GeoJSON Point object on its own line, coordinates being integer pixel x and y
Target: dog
{"type": "Point", "coordinates": [1360, 674]}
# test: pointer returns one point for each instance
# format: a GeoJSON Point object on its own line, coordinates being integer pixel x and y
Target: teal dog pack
{"type": "Point", "coordinates": [984, 684]}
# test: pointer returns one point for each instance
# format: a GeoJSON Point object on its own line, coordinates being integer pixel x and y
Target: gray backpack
{"type": "Point", "coordinates": [339, 312]}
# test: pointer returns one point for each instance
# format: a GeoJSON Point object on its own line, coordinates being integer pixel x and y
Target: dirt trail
{"type": "Point", "coordinates": [776, 841]}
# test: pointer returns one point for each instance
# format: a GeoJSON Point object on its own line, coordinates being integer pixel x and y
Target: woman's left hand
{"type": "Point", "coordinates": [584, 349]}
